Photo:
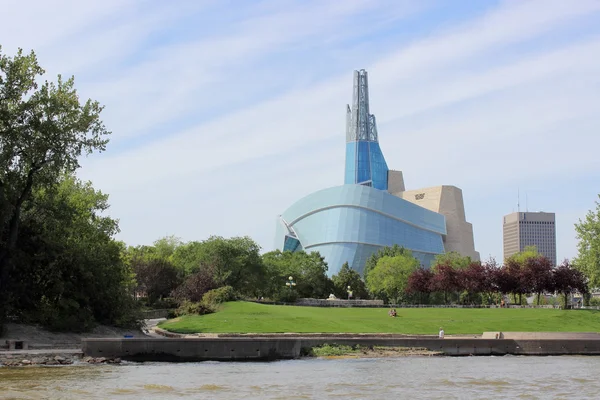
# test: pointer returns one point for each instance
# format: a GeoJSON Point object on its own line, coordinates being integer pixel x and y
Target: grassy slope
{"type": "Point", "coordinates": [242, 317]}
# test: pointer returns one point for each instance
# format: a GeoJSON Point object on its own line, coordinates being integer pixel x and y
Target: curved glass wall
{"type": "Point", "coordinates": [349, 223]}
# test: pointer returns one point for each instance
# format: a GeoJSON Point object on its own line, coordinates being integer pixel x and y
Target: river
{"type": "Point", "coordinates": [385, 378]}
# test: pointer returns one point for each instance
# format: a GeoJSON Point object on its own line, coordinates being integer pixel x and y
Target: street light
{"type": "Point", "coordinates": [290, 283]}
{"type": "Point", "coordinates": [349, 290]}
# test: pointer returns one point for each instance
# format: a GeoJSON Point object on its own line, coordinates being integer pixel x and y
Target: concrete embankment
{"type": "Point", "coordinates": [271, 348]}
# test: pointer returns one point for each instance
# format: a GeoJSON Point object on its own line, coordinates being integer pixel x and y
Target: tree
{"type": "Point", "coordinates": [348, 277]}
{"type": "Point", "coordinates": [588, 246]}
{"type": "Point", "coordinates": [235, 262]}
{"type": "Point", "coordinates": [393, 251]}
{"type": "Point", "coordinates": [156, 277]}
{"type": "Point", "coordinates": [309, 271]}
{"type": "Point", "coordinates": [568, 280]}
{"type": "Point", "coordinates": [474, 279]}
{"type": "Point", "coordinates": [452, 258]}
{"type": "Point", "coordinates": [445, 279]}
{"type": "Point", "coordinates": [419, 282]}
{"type": "Point", "coordinates": [389, 279]}
{"type": "Point", "coordinates": [44, 130]}
{"type": "Point", "coordinates": [196, 285]}
{"type": "Point", "coordinates": [537, 276]}
{"type": "Point", "coordinates": [69, 272]}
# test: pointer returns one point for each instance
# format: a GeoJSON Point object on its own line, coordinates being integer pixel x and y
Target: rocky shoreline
{"type": "Point", "coordinates": [24, 360]}
{"type": "Point", "coordinates": [337, 351]}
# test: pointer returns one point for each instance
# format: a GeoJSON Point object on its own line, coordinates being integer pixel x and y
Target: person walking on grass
{"type": "Point", "coordinates": [441, 335]}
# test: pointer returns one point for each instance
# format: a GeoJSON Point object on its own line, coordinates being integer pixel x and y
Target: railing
{"type": "Point", "coordinates": [351, 303]}
{"type": "Point", "coordinates": [155, 314]}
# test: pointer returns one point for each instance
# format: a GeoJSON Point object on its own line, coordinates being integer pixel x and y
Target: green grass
{"type": "Point", "coordinates": [243, 317]}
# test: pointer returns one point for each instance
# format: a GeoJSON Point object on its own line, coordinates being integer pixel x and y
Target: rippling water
{"type": "Point", "coordinates": [391, 378]}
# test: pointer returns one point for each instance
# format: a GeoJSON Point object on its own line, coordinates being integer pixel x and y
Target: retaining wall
{"type": "Point", "coordinates": [252, 349]}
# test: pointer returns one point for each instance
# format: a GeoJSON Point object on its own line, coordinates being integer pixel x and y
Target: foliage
{"type": "Point", "coordinates": [445, 279]}
{"type": "Point", "coordinates": [349, 277]}
{"type": "Point", "coordinates": [243, 317]}
{"type": "Point", "coordinates": [537, 276]}
{"type": "Point", "coordinates": [393, 251]}
{"type": "Point", "coordinates": [419, 283]}
{"type": "Point", "coordinates": [453, 259]}
{"type": "Point", "coordinates": [220, 295]}
{"type": "Point", "coordinates": [195, 286]}
{"type": "Point", "coordinates": [588, 246]}
{"type": "Point", "coordinates": [234, 262]}
{"type": "Point", "coordinates": [389, 279]}
{"type": "Point", "coordinates": [333, 350]}
{"type": "Point", "coordinates": [69, 271]}
{"type": "Point", "coordinates": [156, 278]}
{"type": "Point", "coordinates": [308, 270]}
{"type": "Point", "coordinates": [194, 308]}
{"type": "Point", "coordinates": [567, 280]}
{"type": "Point", "coordinates": [44, 130]}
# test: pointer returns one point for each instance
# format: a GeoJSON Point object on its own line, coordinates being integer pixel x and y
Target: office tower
{"type": "Point", "coordinates": [523, 229]}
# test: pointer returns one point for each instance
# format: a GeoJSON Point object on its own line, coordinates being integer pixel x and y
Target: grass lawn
{"type": "Point", "coordinates": [243, 317]}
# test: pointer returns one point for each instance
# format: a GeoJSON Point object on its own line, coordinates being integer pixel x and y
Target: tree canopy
{"type": "Point", "coordinates": [389, 279]}
{"type": "Point", "coordinates": [588, 246]}
{"type": "Point", "coordinates": [44, 130]}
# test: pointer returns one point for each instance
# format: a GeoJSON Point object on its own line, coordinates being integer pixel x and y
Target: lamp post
{"type": "Point", "coordinates": [349, 290]}
{"type": "Point", "coordinates": [290, 282]}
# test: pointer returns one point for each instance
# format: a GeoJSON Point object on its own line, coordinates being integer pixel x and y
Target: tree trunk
{"type": "Point", "coordinates": [566, 300]}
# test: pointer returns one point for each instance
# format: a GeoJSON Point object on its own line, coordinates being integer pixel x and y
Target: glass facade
{"type": "Point", "coordinates": [349, 223]}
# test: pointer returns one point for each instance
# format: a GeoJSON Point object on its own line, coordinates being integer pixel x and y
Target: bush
{"type": "Point", "coordinates": [194, 308]}
{"type": "Point", "coordinates": [217, 296]}
{"type": "Point", "coordinates": [594, 302]}
{"type": "Point", "coordinates": [164, 303]}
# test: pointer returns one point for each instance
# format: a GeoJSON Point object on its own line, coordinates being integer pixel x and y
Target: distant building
{"type": "Point", "coordinates": [523, 229]}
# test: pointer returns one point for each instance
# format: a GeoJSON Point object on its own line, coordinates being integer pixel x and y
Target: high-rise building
{"type": "Point", "coordinates": [371, 210]}
{"type": "Point", "coordinates": [523, 229]}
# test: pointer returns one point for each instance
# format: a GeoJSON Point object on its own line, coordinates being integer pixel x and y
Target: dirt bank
{"type": "Point", "coordinates": [40, 338]}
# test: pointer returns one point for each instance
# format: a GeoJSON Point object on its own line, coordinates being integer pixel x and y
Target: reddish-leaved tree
{"type": "Point", "coordinates": [420, 282]}
{"type": "Point", "coordinates": [445, 279]}
{"type": "Point", "coordinates": [536, 275]}
{"type": "Point", "coordinates": [568, 280]}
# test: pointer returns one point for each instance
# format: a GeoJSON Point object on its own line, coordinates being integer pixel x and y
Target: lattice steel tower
{"type": "Point", "coordinates": [365, 164]}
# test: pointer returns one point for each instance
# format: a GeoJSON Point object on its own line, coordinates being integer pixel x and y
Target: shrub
{"type": "Point", "coordinates": [194, 308]}
{"type": "Point", "coordinates": [217, 296]}
{"type": "Point", "coordinates": [595, 302]}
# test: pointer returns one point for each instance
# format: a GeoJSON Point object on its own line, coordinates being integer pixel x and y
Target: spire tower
{"type": "Point", "coordinates": [365, 164]}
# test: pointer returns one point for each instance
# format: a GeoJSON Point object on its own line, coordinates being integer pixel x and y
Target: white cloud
{"type": "Point", "coordinates": [219, 129]}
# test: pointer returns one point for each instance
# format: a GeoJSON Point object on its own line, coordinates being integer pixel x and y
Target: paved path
{"type": "Point", "coordinates": [150, 325]}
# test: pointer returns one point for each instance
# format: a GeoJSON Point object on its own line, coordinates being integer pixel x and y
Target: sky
{"type": "Point", "coordinates": [225, 112]}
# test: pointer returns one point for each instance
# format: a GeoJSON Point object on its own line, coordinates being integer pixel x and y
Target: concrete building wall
{"type": "Point", "coordinates": [395, 181]}
{"type": "Point", "coordinates": [523, 229]}
{"type": "Point", "coordinates": [448, 201]}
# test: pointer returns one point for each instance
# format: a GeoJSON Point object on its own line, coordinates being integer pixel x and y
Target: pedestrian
{"type": "Point", "coordinates": [441, 333]}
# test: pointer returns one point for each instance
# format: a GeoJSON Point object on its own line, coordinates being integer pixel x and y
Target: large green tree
{"type": "Point", "coordinates": [69, 271]}
{"type": "Point", "coordinates": [234, 262]}
{"type": "Point", "coordinates": [309, 271]}
{"type": "Point", "coordinates": [452, 258]}
{"type": "Point", "coordinates": [44, 130]}
{"type": "Point", "coordinates": [349, 277]}
{"type": "Point", "coordinates": [389, 279]}
{"type": "Point", "coordinates": [588, 246]}
{"type": "Point", "coordinates": [392, 251]}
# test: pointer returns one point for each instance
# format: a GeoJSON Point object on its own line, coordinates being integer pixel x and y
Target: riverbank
{"type": "Point", "coordinates": [334, 351]}
{"type": "Point", "coordinates": [41, 339]}
{"type": "Point", "coordinates": [56, 357]}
